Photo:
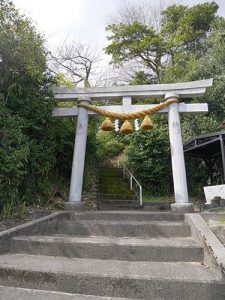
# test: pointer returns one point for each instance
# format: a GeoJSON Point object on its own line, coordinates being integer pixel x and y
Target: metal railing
{"type": "Point", "coordinates": [134, 184]}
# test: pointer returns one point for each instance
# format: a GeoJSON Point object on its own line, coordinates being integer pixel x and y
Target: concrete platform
{"type": "Point", "coordinates": [112, 278]}
{"type": "Point", "coordinates": [124, 228]}
{"type": "Point", "coordinates": [103, 247]}
{"type": "Point", "coordinates": [182, 208]}
{"type": "Point", "coordinates": [13, 293]}
{"type": "Point", "coordinates": [127, 215]}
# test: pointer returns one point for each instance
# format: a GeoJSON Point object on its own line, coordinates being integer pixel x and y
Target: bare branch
{"type": "Point", "coordinates": [142, 11]}
{"type": "Point", "coordinates": [77, 61]}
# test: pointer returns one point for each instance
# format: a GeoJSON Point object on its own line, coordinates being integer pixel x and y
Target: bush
{"type": "Point", "coordinates": [149, 157]}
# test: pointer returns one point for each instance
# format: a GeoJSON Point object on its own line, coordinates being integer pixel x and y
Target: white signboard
{"type": "Point", "coordinates": [214, 191]}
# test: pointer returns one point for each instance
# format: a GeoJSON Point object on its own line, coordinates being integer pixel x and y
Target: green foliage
{"type": "Point", "coordinates": [183, 30]}
{"type": "Point", "coordinates": [197, 175]}
{"type": "Point", "coordinates": [90, 171]}
{"type": "Point", "coordinates": [64, 135]}
{"type": "Point", "coordinates": [61, 80]}
{"type": "Point", "coordinates": [211, 64]}
{"type": "Point", "coordinates": [108, 145]}
{"type": "Point", "coordinates": [165, 199]}
{"type": "Point", "coordinates": [134, 41]}
{"type": "Point", "coordinates": [141, 77]}
{"type": "Point", "coordinates": [27, 148]}
{"type": "Point", "coordinates": [149, 157]}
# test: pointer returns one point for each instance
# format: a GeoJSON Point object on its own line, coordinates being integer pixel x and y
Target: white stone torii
{"type": "Point", "coordinates": [168, 91]}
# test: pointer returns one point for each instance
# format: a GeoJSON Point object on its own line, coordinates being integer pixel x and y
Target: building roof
{"type": "Point", "coordinates": [205, 145]}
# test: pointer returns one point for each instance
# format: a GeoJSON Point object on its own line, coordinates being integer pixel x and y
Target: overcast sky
{"type": "Point", "coordinates": [82, 20]}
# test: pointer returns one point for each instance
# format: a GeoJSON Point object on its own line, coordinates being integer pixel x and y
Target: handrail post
{"type": "Point", "coordinates": [131, 182]}
{"type": "Point", "coordinates": [128, 173]}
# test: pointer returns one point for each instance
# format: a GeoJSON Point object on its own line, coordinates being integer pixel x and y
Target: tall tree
{"type": "Point", "coordinates": [182, 32]}
{"type": "Point", "coordinates": [26, 145]}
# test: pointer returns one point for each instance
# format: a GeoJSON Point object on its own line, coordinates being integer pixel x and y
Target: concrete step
{"type": "Point", "coordinates": [125, 206]}
{"type": "Point", "coordinates": [124, 228]}
{"type": "Point", "coordinates": [15, 293]}
{"type": "Point", "coordinates": [119, 201]}
{"type": "Point", "coordinates": [123, 197]}
{"type": "Point", "coordinates": [127, 215]}
{"type": "Point", "coordinates": [111, 169]}
{"type": "Point", "coordinates": [111, 278]}
{"type": "Point", "coordinates": [157, 206]}
{"type": "Point", "coordinates": [102, 247]}
{"type": "Point", "coordinates": [119, 207]}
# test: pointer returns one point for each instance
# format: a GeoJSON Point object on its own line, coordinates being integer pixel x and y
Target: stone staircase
{"type": "Point", "coordinates": [114, 192]}
{"type": "Point", "coordinates": [116, 254]}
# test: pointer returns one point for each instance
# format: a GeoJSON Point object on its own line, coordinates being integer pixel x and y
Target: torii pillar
{"type": "Point", "coordinates": [77, 173]}
{"type": "Point", "coordinates": [177, 157]}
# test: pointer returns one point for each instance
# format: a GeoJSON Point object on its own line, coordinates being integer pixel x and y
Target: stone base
{"type": "Point", "coordinates": [207, 206]}
{"type": "Point", "coordinates": [215, 202]}
{"type": "Point", "coordinates": [182, 207]}
{"type": "Point", "coordinates": [74, 206]}
{"type": "Point", "coordinates": [222, 202]}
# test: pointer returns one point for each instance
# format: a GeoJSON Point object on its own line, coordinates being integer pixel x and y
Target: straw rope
{"type": "Point", "coordinates": [128, 116]}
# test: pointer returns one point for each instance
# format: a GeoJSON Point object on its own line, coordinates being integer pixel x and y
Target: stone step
{"type": "Point", "coordinates": [102, 247]}
{"type": "Point", "coordinates": [127, 215]}
{"type": "Point", "coordinates": [157, 206]}
{"type": "Point", "coordinates": [119, 201]}
{"type": "Point", "coordinates": [116, 179]}
{"type": "Point", "coordinates": [111, 278]}
{"type": "Point", "coordinates": [124, 185]}
{"type": "Point", "coordinates": [111, 169]}
{"type": "Point", "coordinates": [123, 197]}
{"type": "Point", "coordinates": [119, 207]}
{"type": "Point", "coordinates": [15, 293]}
{"type": "Point", "coordinates": [124, 228]}
{"type": "Point", "coordinates": [113, 174]}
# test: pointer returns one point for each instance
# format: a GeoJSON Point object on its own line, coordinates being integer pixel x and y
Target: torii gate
{"type": "Point", "coordinates": [168, 91]}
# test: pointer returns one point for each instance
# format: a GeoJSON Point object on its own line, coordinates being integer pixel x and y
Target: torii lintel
{"type": "Point", "coordinates": [184, 90]}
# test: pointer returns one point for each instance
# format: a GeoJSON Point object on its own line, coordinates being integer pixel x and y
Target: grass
{"type": "Point", "coordinates": [218, 210]}
{"type": "Point", "coordinates": [158, 199]}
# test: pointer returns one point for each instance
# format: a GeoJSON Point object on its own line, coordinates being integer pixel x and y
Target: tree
{"type": "Point", "coordinates": [27, 146]}
{"type": "Point", "coordinates": [143, 12]}
{"type": "Point", "coordinates": [149, 157]}
{"type": "Point", "coordinates": [211, 64]}
{"type": "Point", "coordinates": [182, 32]}
{"type": "Point", "coordinates": [79, 62]}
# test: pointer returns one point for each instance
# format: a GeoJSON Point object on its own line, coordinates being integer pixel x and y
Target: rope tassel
{"type": "Point", "coordinates": [146, 123]}
{"type": "Point", "coordinates": [126, 128]}
{"type": "Point", "coordinates": [107, 125]}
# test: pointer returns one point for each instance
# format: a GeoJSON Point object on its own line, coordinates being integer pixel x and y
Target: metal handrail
{"type": "Point", "coordinates": [132, 178]}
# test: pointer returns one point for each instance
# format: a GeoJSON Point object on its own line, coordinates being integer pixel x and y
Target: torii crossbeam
{"type": "Point", "coordinates": [127, 93]}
